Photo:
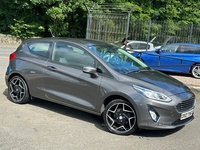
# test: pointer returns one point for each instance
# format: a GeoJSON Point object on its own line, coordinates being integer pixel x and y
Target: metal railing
{"type": "Point", "coordinates": [108, 22]}
{"type": "Point", "coordinates": [112, 23]}
{"type": "Point", "coordinates": [145, 30]}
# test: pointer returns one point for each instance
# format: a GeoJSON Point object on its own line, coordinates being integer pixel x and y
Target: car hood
{"type": "Point", "coordinates": [158, 81]}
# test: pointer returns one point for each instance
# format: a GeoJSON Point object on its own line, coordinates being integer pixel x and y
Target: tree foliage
{"type": "Point", "coordinates": [29, 18]}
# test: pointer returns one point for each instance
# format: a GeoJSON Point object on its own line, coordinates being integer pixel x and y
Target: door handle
{"type": "Point", "coordinates": [52, 68]}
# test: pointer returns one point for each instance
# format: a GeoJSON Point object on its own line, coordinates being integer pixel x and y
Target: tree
{"type": "Point", "coordinates": [28, 18]}
{"type": "Point", "coordinates": [35, 17]}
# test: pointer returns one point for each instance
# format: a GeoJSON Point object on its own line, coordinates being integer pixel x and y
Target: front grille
{"type": "Point", "coordinates": [179, 122]}
{"type": "Point", "coordinates": [185, 105]}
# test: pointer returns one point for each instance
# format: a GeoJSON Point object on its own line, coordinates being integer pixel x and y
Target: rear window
{"type": "Point", "coordinates": [197, 50]}
{"type": "Point", "coordinates": [186, 49]}
{"type": "Point", "coordinates": [40, 48]}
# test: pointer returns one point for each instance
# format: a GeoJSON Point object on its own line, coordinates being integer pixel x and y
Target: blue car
{"type": "Point", "coordinates": [175, 57]}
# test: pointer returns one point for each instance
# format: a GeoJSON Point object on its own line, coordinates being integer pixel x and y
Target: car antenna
{"type": "Point", "coordinates": [51, 33]}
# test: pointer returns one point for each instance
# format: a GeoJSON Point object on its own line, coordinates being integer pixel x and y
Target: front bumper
{"type": "Point", "coordinates": [170, 115]}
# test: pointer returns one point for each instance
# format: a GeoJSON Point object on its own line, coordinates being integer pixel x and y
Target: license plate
{"type": "Point", "coordinates": [186, 114]}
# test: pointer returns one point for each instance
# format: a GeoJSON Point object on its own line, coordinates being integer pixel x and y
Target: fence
{"type": "Point", "coordinates": [108, 22]}
{"type": "Point", "coordinates": [112, 23]}
{"type": "Point", "coordinates": [145, 30]}
{"type": "Point", "coordinates": [107, 27]}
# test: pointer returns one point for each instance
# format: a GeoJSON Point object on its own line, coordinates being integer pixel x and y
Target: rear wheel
{"type": "Point", "coordinates": [120, 117]}
{"type": "Point", "coordinates": [18, 90]}
{"type": "Point", "coordinates": [196, 71]}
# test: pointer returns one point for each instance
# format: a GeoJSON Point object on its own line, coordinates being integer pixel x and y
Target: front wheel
{"type": "Point", "coordinates": [120, 117]}
{"type": "Point", "coordinates": [18, 90]}
{"type": "Point", "coordinates": [196, 71]}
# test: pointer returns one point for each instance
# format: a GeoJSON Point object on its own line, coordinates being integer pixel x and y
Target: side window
{"type": "Point", "coordinates": [40, 48]}
{"type": "Point", "coordinates": [103, 71]}
{"type": "Point", "coordinates": [71, 55]}
{"type": "Point", "coordinates": [144, 46]}
{"type": "Point", "coordinates": [169, 48]}
{"type": "Point", "coordinates": [133, 46]}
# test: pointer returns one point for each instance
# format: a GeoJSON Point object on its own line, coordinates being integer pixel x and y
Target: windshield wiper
{"type": "Point", "coordinates": [141, 69]}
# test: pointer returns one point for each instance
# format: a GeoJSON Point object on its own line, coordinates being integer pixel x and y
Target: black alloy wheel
{"type": "Point", "coordinates": [120, 117]}
{"type": "Point", "coordinates": [18, 90]}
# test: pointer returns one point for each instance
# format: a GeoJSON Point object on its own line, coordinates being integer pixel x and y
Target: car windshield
{"type": "Point", "coordinates": [118, 59]}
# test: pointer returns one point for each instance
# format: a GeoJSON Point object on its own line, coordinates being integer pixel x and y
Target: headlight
{"type": "Point", "coordinates": [152, 94]}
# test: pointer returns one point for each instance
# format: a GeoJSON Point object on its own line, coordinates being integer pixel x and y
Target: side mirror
{"type": "Point", "coordinates": [90, 70]}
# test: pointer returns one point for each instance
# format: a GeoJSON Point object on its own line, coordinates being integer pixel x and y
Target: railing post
{"type": "Point", "coordinates": [128, 22]}
{"type": "Point", "coordinates": [89, 22]}
{"type": "Point", "coordinates": [191, 30]}
{"type": "Point", "coordinates": [99, 27]}
{"type": "Point", "coordinates": [149, 32]}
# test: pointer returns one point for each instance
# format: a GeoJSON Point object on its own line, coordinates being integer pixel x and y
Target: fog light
{"type": "Point", "coordinates": [154, 115]}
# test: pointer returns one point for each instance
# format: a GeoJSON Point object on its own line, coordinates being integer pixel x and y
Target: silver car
{"type": "Point", "coordinates": [101, 79]}
{"type": "Point", "coordinates": [133, 45]}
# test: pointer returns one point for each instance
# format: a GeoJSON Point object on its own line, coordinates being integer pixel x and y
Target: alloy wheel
{"type": "Point", "coordinates": [196, 71]}
{"type": "Point", "coordinates": [120, 118]}
{"type": "Point", "coordinates": [18, 90]}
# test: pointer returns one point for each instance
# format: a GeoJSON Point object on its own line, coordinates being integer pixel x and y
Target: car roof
{"type": "Point", "coordinates": [188, 44]}
{"type": "Point", "coordinates": [135, 41]}
{"type": "Point", "coordinates": [78, 41]}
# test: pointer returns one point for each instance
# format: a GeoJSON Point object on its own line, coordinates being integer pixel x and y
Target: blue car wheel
{"type": "Point", "coordinates": [196, 71]}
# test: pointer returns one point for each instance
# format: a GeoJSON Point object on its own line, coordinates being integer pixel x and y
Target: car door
{"type": "Point", "coordinates": [34, 60]}
{"type": "Point", "coordinates": [167, 59]}
{"type": "Point", "coordinates": [65, 81]}
{"type": "Point", "coordinates": [163, 59]}
{"type": "Point", "coordinates": [186, 53]}
{"type": "Point", "coordinates": [197, 54]}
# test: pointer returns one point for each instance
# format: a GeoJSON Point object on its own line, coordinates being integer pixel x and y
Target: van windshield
{"type": "Point", "coordinates": [118, 59]}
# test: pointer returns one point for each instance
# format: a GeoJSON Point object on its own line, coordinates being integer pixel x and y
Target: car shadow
{"type": "Point", "coordinates": [156, 133]}
{"type": "Point", "coordinates": [66, 111]}
{"type": "Point", "coordinates": [87, 117]}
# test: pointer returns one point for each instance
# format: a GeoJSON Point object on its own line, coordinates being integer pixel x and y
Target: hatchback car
{"type": "Point", "coordinates": [175, 57]}
{"type": "Point", "coordinates": [101, 79]}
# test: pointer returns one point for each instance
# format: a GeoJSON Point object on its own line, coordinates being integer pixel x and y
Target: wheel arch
{"type": "Point", "coordinates": [18, 74]}
{"type": "Point", "coordinates": [195, 73]}
{"type": "Point", "coordinates": [22, 89]}
{"type": "Point", "coordinates": [15, 74]}
{"type": "Point", "coordinates": [117, 100]}
{"type": "Point", "coordinates": [196, 63]}
{"type": "Point", "coordinates": [113, 97]}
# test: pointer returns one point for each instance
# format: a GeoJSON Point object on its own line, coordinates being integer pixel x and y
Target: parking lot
{"type": "Point", "coordinates": [42, 125]}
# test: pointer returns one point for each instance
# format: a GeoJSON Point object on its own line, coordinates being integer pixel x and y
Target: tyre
{"type": "Point", "coordinates": [18, 90]}
{"type": "Point", "coordinates": [120, 117]}
{"type": "Point", "coordinates": [196, 71]}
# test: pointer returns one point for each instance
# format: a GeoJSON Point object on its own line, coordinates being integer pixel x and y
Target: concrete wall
{"type": "Point", "coordinates": [8, 39]}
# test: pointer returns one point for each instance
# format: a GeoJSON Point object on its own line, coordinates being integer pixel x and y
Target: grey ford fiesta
{"type": "Point", "coordinates": [101, 79]}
